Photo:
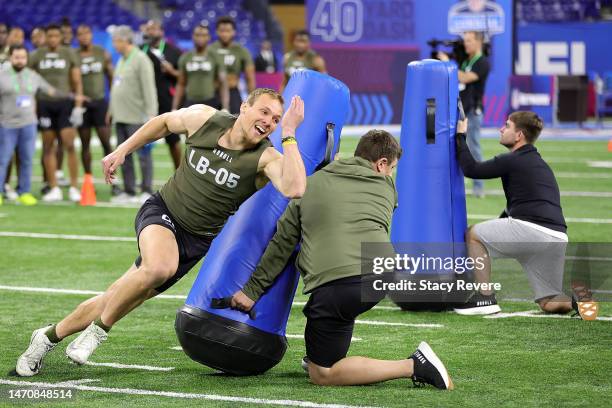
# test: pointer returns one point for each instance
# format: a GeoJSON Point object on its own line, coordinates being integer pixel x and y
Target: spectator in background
{"type": "Point", "coordinates": [18, 86]}
{"type": "Point", "coordinates": [95, 63]}
{"type": "Point", "coordinates": [302, 57]}
{"type": "Point", "coordinates": [16, 36]}
{"type": "Point", "coordinates": [67, 33]}
{"type": "Point", "coordinates": [266, 59]}
{"type": "Point", "coordinates": [37, 37]}
{"type": "Point", "coordinates": [165, 57]}
{"type": "Point", "coordinates": [199, 70]}
{"type": "Point", "coordinates": [236, 59]}
{"type": "Point", "coordinates": [133, 101]}
{"type": "Point", "coordinates": [4, 48]}
{"type": "Point", "coordinates": [473, 74]}
{"type": "Point", "coordinates": [58, 116]}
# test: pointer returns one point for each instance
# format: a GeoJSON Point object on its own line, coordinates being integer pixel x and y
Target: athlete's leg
{"type": "Point", "coordinates": [68, 134]}
{"type": "Point", "coordinates": [360, 370]}
{"type": "Point", "coordinates": [85, 136]}
{"type": "Point", "coordinates": [104, 135]}
{"type": "Point", "coordinates": [49, 158]}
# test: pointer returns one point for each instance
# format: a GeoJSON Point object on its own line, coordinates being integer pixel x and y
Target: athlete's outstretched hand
{"type": "Point", "coordinates": [241, 301]}
{"type": "Point", "coordinates": [293, 117]}
{"type": "Point", "coordinates": [110, 164]}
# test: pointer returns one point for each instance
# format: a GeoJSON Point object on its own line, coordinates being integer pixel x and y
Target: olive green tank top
{"type": "Point", "coordinates": [294, 63]}
{"type": "Point", "coordinates": [200, 70]}
{"type": "Point", "coordinates": [92, 72]}
{"type": "Point", "coordinates": [212, 181]}
{"type": "Point", "coordinates": [54, 66]}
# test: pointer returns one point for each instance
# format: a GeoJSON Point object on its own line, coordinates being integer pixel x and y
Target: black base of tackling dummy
{"type": "Point", "coordinates": [232, 347]}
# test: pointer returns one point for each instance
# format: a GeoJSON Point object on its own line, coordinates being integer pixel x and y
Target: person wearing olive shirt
{"type": "Point", "coordinates": [199, 70]}
{"type": "Point", "coordinates": [59, 65]}
{"type": "Point", "coordinates": [133, 101]}
{"type": "Point", "coordinates": [302, 57]}
{"type": "Point", "coordinates": [236, 60]}
{"type": "Point", "coordinates": [95, 64]}
{"type": "Point", "coordinates": [330, 233]}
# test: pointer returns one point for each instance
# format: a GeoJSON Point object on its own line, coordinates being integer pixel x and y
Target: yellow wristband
{"type": "Point", "coordinates": [288, 140]}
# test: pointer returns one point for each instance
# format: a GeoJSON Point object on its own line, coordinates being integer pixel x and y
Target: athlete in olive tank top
{"type": "Point", "coordinates": [302, 57]}
{"type": "Point", "coordinates": [227, 159]}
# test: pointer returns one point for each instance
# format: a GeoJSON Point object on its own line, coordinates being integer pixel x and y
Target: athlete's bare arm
{"type": "Point", "coordinates": [319, 64]}
{"type": "Point", "coordinates": [186, 120]}
{"type": "Point", "coordinates": [286, 171]}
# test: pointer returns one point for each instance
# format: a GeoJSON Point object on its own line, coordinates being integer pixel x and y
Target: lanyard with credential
{"type": "Point", "coordinates": [161, 48]}
{"type": "Point", "coordinates": [122, 63]}
{"type": "Point", "coordinates": [16, 81]}
{"type": "Point", "coordinates": [467, 65]}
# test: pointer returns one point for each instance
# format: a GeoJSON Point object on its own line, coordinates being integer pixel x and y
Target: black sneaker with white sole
{"type": "Point", "coordinates": [429, 369]}
{"type": "Point", "coordinates": [478, 304]}
{"type": "Point", "coordinates": [304, 363]}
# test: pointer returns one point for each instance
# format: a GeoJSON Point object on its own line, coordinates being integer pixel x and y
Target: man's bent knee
{"type": "Point", "coordinates": [158, 274]}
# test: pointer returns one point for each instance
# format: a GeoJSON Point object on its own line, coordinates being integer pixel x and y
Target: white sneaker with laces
{"type": "Point", "coordinates": [55, 194]}
{"type": "Point", "coordinates": [124, 198]}
{"type": "Point", "coordinates": [30, 362]}
{"type": "Point", "coordinates": [74, 194]}
{"type": "Point", "coordinates": [83, 346]}
{"type": "Point", "coordinates": [10, 192]}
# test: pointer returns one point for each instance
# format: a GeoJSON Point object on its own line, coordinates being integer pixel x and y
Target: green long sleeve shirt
{"type": "Point", "coordinates": [346, 203]}
{"type": "Point", "coordinates": [133, 96]}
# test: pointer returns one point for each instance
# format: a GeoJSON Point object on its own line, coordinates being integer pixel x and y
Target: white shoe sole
{"type": "Point", "coordinates": [75, 359]}
{"type": "Point", "coordinates": [480, 310]}
{"type": "Point", "coordinates": [433, 359]}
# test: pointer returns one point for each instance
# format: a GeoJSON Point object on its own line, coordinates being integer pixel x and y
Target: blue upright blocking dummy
{"type": "Point", "coordinates": [431, 215]}
{"type": "Point", "coordinates": [229, 340]}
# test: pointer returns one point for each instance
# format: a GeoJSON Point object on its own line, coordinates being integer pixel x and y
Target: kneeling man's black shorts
{"type": "Point", "coordinates": [331, 311]}
{"type": "Point", "coordinates": [191, 247]}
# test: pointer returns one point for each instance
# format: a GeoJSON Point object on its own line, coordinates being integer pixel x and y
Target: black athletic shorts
{"type": "Point", "coordinates": [191, 247]}
{"type": "Point", "coordinates": [54, 114]}
{"type": "Point", "coordinates": [234, 102]}
{"type": "Point", "coordinates": [95, 115]}
{"type": "Point", "coordinates": [330, 314]}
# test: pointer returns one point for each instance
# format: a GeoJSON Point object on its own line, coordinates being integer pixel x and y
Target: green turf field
{"type": "Point", "coordinates": [514, 361]}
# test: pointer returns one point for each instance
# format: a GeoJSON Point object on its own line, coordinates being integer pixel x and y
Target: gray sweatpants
{"type": "Point", "coordinates": [541, 255]}
{"type": "Point", "coordinates": [124, 131]}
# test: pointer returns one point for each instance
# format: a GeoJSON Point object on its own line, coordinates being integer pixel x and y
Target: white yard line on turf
{"type": "Point", "coordinates": [600, 164]}
{"type": "Point", "coordinates": [537, 313]}
{"type": "Point", "coordinates": [16, 234]}
{"type": "Point", "coordinates": [73, 291]}
{"type": "Point", "coordinates": [379, 323]}
{"type": "Point", "coordinates": [568, 219]}
{"type": "Point", "coordinates": [183, 395]}
{"type": "Point", "coordinates": [130, 366]}
{"type": "Point", "coordinates": [596, 194]}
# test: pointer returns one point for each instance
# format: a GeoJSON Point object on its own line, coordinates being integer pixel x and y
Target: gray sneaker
{"type": "Point", "coordinates": [31, 361]}
{"type": "Point", "coordinates": [83, 346]}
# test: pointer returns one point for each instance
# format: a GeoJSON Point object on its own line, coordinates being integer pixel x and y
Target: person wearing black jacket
{"type": "Point", "coordinates": [531, 229]}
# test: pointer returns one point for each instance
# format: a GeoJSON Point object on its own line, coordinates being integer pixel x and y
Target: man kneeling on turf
{"type": "Point", "coordinates": [531, 228]}
{"type": "Point", "coordinates": [348, 202]}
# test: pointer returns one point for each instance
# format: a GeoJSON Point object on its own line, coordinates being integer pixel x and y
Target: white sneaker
{"type": "Point", "coordinates": [83, 346]}
{"type": "Point", "coordinates": [74, 194]}
{"type": "Point", "coordinates": [124, 198]}
{"type": "Point", "coordinates": [10, 193]}
{"type": "Point", "coordinates": [62, 181]}
{"type": "Point", "coordinates": [30, 362]}
{"type": "Point", "coordinates": [55, 194]}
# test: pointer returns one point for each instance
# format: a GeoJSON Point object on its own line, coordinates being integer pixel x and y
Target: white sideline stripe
{"type": "Point", "coordinates": [77, 382]}
{"type": "Point", "coordinates": [169, 394]}
{"type": "Point", "coordinates": [74, 291]}
{"type": "Point", "coordinates": [597, 194]}
{"type": "Point", "coordinates": [15, 234]}
{"type": "Point", "coordinates": [537, 313]}
{"type": "Point", "coordinates": [568, 219]}
{"type": "Point", "coordinates": [586, 175]}
{"type": "Point", "coordinates": [379, 323]}
{"type": "Point", "coordinates": [129, 366]}
{"type": "Point", "coordinates": [600, 164]}
{"type": "Point", "coordinates": [2, 215]}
